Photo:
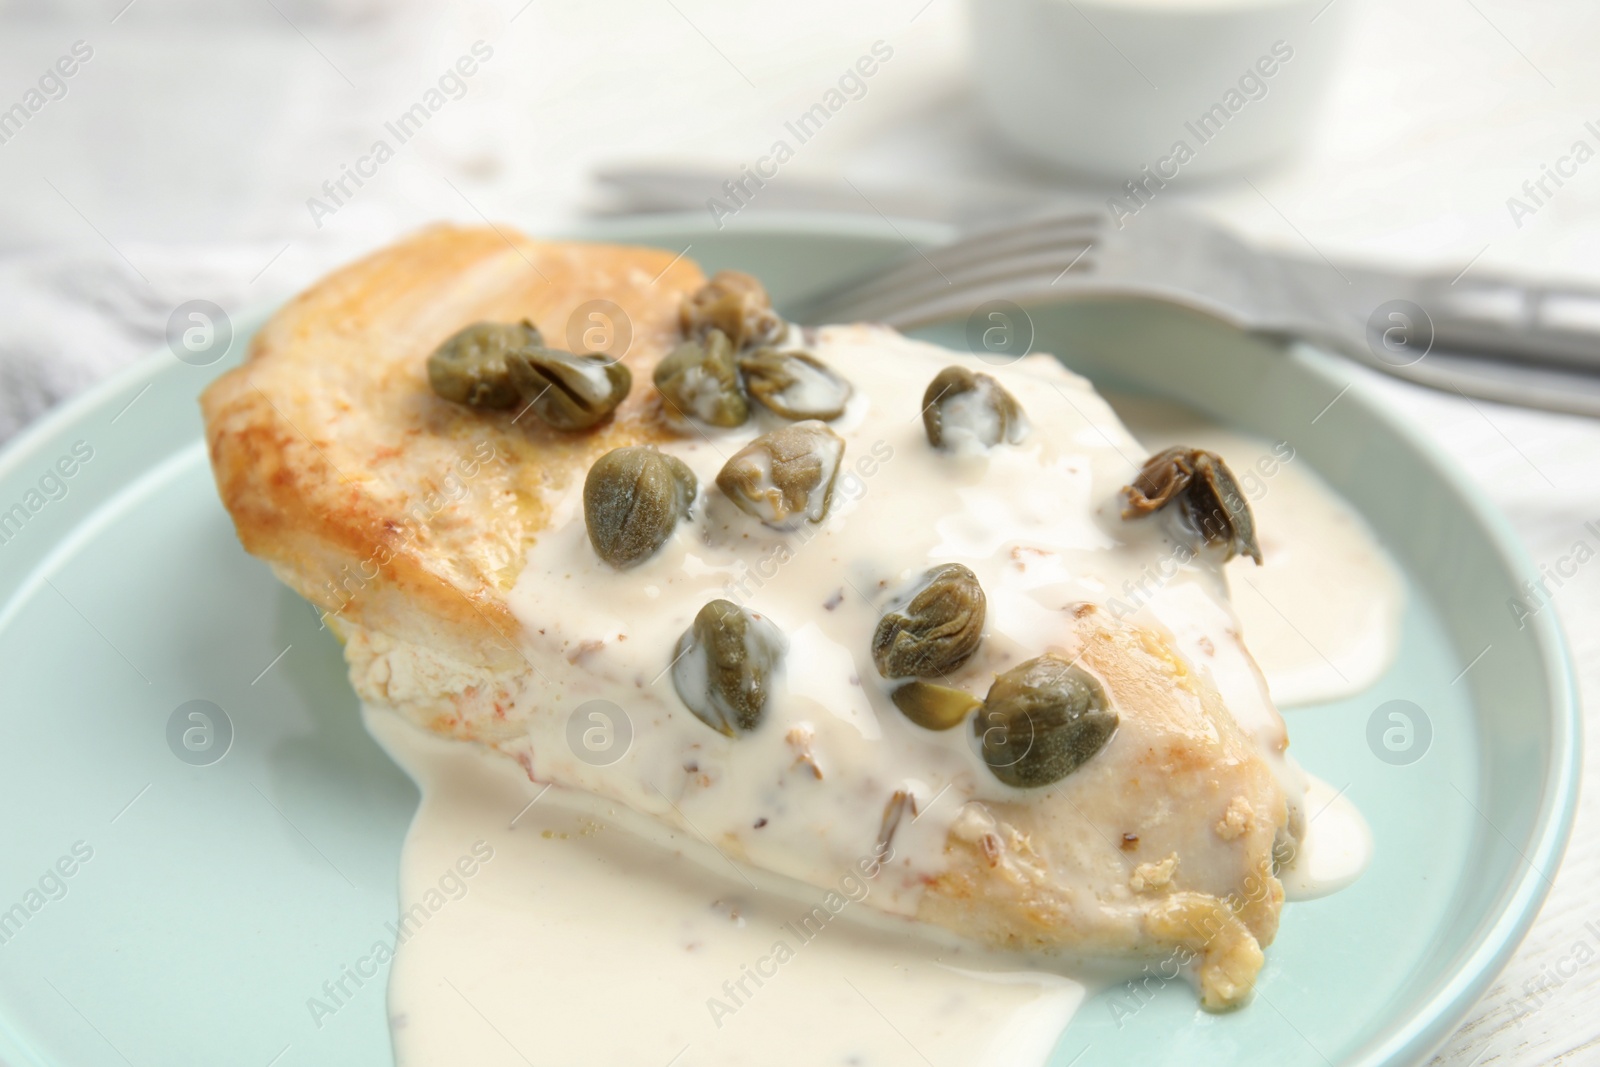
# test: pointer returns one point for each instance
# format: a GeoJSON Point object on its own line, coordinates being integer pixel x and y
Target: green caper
{"type": "Point", "coordinates": [470, 367]}
{"type": "Point", "coordinates": [734, 303]}
{"type": "Point", "coordinates": [932, 706]}
{"type": "Point", "coordinates": [1209, 499]}
{"type": "Point", "coordinates": [633, 498]}
{"type": "Point", "coordinates": [699, 378]}
{"type": "Point", "coordinates": [963, 409]}
{"type": "Point", "coordinates": [794, 384]}
{"type": "Point", "coordinates": [724, 666]}
{"type": "Point", "coordinates": [1043, 720]}
{"type": "Point", "coordinates": [570, 392]}
{"type": "Point", "coordinates": [934, 629]}
{"type": "Point", "coordinates": [785, 477]}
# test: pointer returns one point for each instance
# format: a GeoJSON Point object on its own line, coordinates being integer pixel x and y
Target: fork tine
{"type": "Point", "coordinates": [1041, 232]}
{"type": "Point", "coordinates": [1045, 268]}
{"type": "Point", "coordinates": [943, 306]}
{"type": "Point", "coordinates": [1025, 241]}
{"type": "Point", "coordinates": [976, 256]}
{"type": "Point", "coordinates": [994, 244]}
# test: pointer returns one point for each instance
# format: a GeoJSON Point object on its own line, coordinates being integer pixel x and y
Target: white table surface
{"type": "Point", "coordinates": [179, 163]}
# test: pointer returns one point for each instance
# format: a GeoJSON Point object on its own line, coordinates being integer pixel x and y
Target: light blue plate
{"type": "Point", "coordinates": [216, 898]}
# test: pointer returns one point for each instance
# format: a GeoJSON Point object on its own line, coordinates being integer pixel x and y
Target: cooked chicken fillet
{"type": "Point", "coordinates": [447, 547]}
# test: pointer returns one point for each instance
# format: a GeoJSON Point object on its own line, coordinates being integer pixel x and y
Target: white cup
{"type": "Point", "coordinates": [1191, 87]}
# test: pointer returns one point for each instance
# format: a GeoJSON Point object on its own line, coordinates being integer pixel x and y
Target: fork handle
{"type": "Point", "coordinates": [1502, 319]}
{"type": "Point", "coordinates": [1489, 337]}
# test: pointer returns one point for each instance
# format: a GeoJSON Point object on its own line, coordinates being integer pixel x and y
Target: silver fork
{"type": "Point", "coordinates": [1472, 333]}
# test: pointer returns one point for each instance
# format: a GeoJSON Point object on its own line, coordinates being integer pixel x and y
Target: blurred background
{"type": "Point", "coordinates": [158, 151]}
{"type": "Point", "coordinates": [178, 160]}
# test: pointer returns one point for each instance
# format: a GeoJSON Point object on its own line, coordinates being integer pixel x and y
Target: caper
{"type": "Point", "coordinates": [785, 477]}
{"type": "Point", "coordinates": [633, 498]}
{"type": "Point", "coordinates": [1043, 720]}
{"type": "Point", "coordinates": [568, 391]}
{"type": "Point", "coordinates": [963, 409]}
{"type": "Point", "coordinates": [470, 366]}
{"type": "Point", "coordinates": [724, 666]}
{"type": "Point", "coordinates": [794, 384]}
{"type": "Point", "coordinates": [932, 706]}
{"type": "Point", "coordinates": [1209, 499]}
{"type": "Point", "coordinates": [734, 303]}
{"type": "Point", "coordinates": [934, 629]}
{"type": "Point", "coordinates": [699, 378]}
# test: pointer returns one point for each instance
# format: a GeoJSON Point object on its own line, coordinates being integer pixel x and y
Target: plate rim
{"type": "Point", "coordinates": [1490, 950]}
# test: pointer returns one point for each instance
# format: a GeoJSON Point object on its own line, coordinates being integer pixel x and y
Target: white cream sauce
{"type": "Point", "coordinates": [607, 944]}
{"type": "Point", "coordinates": [1039, 523]}
{"type": "Point", "coordinates": [1322, 613]}
{"type": "Point", "coordinates": [580, 941]}
{"type": "Point", "coordinates": [1335, 850]}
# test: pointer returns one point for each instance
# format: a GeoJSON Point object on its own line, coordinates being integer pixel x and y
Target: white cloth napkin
{"type": "Point", "coordinates": [71, 319]}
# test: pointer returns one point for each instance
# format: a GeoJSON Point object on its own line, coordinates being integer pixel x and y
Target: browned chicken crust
{"type": "Point", "coordinates": [375, 499]}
